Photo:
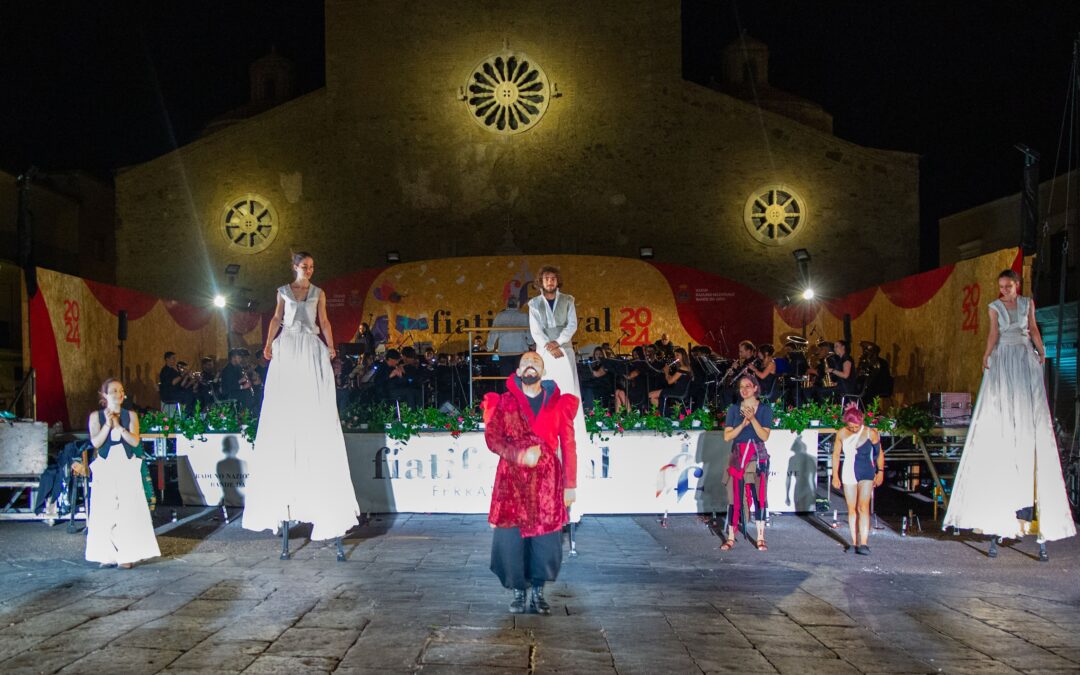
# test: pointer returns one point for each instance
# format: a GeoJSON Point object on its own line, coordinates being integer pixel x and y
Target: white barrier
{"type": "Point", "coordinates": [638, 472]}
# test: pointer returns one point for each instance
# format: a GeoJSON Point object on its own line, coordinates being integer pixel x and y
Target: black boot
{"type": "Point", "coordinates": [537, 603]}
{"type": "Point", "coordinates": [518, 605]}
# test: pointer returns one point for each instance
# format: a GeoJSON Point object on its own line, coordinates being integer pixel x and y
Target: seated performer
{"type": "Point", "coordinates": [747, 427]}
{"type": "Point", "coordinates": [531, 428]}
{"type": "Point", "coordinates": [764, 369]}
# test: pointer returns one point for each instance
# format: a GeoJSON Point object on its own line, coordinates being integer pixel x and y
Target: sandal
{"type": "Point", "coordinates": [761, 545]}
{"type": "Point", "coordinates": [727, 545]}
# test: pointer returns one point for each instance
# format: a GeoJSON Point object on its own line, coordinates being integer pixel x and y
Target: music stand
{"type": "Point", "coordinates": [712, 376]}
{"type": "Point", "coordinates": [353, 349]}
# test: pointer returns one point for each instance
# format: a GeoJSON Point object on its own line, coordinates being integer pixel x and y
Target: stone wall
{"type": "Point", "coordinates": [387, 157]}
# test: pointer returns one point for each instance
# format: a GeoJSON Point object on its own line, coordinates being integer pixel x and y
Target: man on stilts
{"type": "Point", "coordinates": [531, 428]}
{"type": "Point", "coordinates": [552, 324]}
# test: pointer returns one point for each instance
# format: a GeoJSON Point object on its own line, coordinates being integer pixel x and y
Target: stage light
{"type": "Point", "coordinates": [232, 269]}
{"type": "Point", "coordinates": [219, 301]}
{"type": "Point", "coordinates": [808, 294]}
{"type": "Point", "coordinates": [801, 255]}
{"type": "Point", "coordinates": [393, 257]}
{"type": "Point", "coordinates": [646, 252]}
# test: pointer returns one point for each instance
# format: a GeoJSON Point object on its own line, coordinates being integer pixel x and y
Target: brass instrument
{"type": "Point", "coordinates": [827, 380]}
{"type": "Point", "coordinates": [869, 360]}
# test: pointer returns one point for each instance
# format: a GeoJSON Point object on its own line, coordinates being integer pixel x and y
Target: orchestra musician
{"type": "Point", "coordinates": [365, 337]}
{"type": "Point", "coordinates": [764, 369]}
{"type": "Point", "coordinates": [840, 366]}
{"type": "Point", "coordinates": [678, 376]}
{"type": "Point", "coordinates": [741, 366]}
{"type": "Point", "coordinates": [235, 383]}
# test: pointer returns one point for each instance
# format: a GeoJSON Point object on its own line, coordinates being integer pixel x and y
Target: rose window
{"type": "Point", "coordinates": [507, 93]}
{"type": "Point", "coordinates": [249, 224]}
{"type": "Point", "coordinates": [774, 214]}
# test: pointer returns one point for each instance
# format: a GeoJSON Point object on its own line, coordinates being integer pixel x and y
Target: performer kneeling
{"type": "Point", "coordinates": [747, 426]}
{"type": "Point", "coordinates": [529, 427]}
{"type": "Point", "coordinates": [119, 530]}
{"type": "Point", "coordinates": [863, 469]}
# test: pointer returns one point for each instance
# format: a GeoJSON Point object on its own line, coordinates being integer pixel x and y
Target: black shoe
{"type": "Point", "coordinates": [537, 603]}
{"type": "Point", "coordinates": [862, 550]}
{"type": "Point", "coordinates": [518, 605]}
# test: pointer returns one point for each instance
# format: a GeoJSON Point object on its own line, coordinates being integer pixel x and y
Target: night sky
{"type": "Point", "coordinates": [100, 85]}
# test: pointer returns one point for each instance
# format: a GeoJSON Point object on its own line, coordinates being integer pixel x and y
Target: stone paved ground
{"type": "Point", "coordinates": [416, 595]}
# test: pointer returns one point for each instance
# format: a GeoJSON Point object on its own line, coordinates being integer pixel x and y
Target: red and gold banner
{"type": "Point", "coordinates": [74, 342]}
{"type": "Point", "coordinates": [931, 327]}
{"type": "Point", "coordinates": [621, 301]}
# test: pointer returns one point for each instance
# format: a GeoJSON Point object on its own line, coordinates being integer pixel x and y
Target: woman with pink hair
{"type": "Point", "coordinates": [862, 470]}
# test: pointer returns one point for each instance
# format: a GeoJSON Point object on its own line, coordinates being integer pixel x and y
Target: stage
{"type": "Point", "coordinates": [638, 472]}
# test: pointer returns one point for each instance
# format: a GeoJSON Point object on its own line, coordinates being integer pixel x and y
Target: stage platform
{"type": "Point", "coordinates": [637, 472]}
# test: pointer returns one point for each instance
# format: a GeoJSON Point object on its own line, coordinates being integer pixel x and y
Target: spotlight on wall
{"type": "Point", "coordinates": [219, 301]}
{"type": "Point", "coordinates": [808, 294]}
{"type": "Point", "coordinates": [393, 257]}
{"type": "Point", "coordinates": [645, 252]}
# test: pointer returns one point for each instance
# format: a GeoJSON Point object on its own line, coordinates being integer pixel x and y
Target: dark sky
{"type": "Point", "coordinates": [99, 85]}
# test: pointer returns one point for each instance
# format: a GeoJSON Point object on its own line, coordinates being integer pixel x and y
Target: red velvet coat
{"type": "Point", "coordinates": [531, 498]}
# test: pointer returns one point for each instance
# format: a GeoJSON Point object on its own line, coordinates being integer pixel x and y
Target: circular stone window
{"type": "Point", "coordinates": [507, 93]}
{"type": "Point", "coordinates": [774, 214]}
{"type": "Point", "coordinates": [250, 223]}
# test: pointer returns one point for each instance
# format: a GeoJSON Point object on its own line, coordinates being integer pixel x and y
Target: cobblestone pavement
{"type": "Point", "coordinates": [416, 595]}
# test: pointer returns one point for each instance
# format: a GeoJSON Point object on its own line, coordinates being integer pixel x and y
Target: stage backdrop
{"type": "Point", "coordinates": [74, 345]}
{"type": "Point", "coordinates": [931, 327]}
{"type": "Point", "coordinates": [437, 301]}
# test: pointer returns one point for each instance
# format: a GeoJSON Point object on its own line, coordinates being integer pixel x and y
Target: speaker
{"type": "Point", "coordinates": [847, 331]}
{"type": "Point", "coordinates": [121, 328]}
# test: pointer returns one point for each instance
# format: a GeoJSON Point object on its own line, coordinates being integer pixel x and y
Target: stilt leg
{"type": "Point", "coordinates": [284, 540]}
{"type": "Point", "coordinates": [1043, 555]}
{"type": "Point", "coordinates": [340, 550]}
{"type": "Point", "coordinates": [993, 552]}
{"type": "Point", "coordinates": [573, 540]}
{"type": "Point", "coordinates": [224, 513]}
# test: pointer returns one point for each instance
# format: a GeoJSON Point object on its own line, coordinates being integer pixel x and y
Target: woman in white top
{"type": "Point", "coordinates": [1010, 471]}
{"type": "Point", "coordinates": [299, 470]}
{"type": "Point", "coordinates": [119, 530]}
{"type": "Point", "coordinates": [858, 472]}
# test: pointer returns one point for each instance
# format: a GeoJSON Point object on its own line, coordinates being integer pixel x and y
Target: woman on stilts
{"type": "Point", "coordinates": [1010, 472]}
{"type": "Point", "coordinates": [299, 471]}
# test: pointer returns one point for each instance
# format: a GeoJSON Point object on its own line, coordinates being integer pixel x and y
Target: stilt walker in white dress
{"type": "Point", "coordinates": [1010, 471]}
{"type": "Point", "coordinates": [552, 324]}
{"type": "Point", "coordinates": [299, 470]}
{"type": "Point", "coordinates": [119, 530]}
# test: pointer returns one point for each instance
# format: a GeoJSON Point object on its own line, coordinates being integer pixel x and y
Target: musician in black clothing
{"type": "Point", "coordinates": [365, 337]}
{"type": "Point", "coordinates": [235, 383]}
{"type": "Point", "coordinates": [170, 384]}
{"type": "Point", "coordinates": [393, 383]}
{"type": "Point", "coordinates": [841, 367]}
{"type": "Point", "coordinates": [678, 377]}
{"type": "Point", "coordinates": [764, 369]}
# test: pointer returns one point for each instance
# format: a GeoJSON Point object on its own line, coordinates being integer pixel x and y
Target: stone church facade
{"type": "Point", "coordinates": [478, 128]}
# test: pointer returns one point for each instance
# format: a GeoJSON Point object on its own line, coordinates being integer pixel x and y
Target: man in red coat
{"type": "Point", "coordinates": [531, 428]}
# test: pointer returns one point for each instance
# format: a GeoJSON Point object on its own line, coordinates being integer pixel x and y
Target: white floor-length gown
{"type": "Point", "coordinates": [299, 470]}
{"type": "Point", "coordinates": [119, 529]}
{"type": "Point", "coordinates": [1010, 458]}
